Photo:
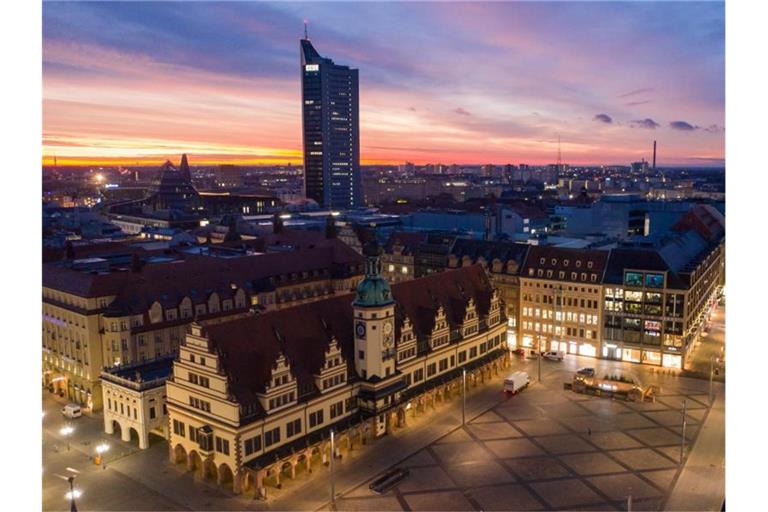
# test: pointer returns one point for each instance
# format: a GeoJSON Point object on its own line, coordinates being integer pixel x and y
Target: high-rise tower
{"type": "Point", "coordinates": [331, 130]}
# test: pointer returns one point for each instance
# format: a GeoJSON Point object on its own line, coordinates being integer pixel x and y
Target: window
{"type": "Point", "coordinates": [316, 418]}
{"type": "Point", "coordinates": [418, 375]}
{"type": "Point", "coordinates": [192, 434]}
{"type": "Point", "coordinates": [361, 354]}
{"type": "Point", "coordinates": [443, 365]}
{"type": "Point", "coordinates": [462, 356]}
{"type": "Point", "coordinates": [337, 409]}
{"type": "Point", "coordinates": [152, 412]}
{"type": "Point", "coordinates": [178, 428]}
{"type": "Point", "coordinates": [431, 369]}
{"type": "Point", "coordinates": [472, 352]}
{"type": "Point", "coordinates": [293, 428]}
{"type": "Point", "coordinates": [222, 445]}
{"type": "Point", "coordinates": [272, 436]}
{"type": "Point", "coordinates": [252, 445]}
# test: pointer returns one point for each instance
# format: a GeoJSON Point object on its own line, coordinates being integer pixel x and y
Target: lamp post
{"type": "Point", "coordinates": [66, 432]}
{"type": "Point", "coordinates": [682, 442]}
{"type": "Point", "coordinates": [711, 378]}
{"type": "Point", "coordinates": [333, 483]}
{"type": "Point", "coordinates": [463, 395]}
{"type": "Point", "coordinates": [72, 494]}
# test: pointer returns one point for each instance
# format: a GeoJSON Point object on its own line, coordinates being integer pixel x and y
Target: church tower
{"type": "Point", "coordinates": [374, 310]}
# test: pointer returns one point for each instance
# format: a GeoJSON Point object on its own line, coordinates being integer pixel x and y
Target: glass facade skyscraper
{"type": "Point", "coordinates": [331, 130]}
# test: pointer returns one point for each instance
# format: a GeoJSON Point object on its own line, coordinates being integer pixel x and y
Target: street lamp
{"type": "Point", "coordinates": [101, 449]}
{"type": "Point", "coordinates": [72, 494]}
{"type": "Point", "coordinates": [463, 395]}
{"type": "Point", "coordinates": [66, 432]}
{"type": "Point", "coordinates": [333, 483]}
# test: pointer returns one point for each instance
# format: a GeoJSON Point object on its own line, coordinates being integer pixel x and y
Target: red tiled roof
{"type": "Point", "coordinates": [249, 347]}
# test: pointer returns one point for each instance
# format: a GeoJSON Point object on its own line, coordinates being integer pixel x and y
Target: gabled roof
{"type": "Point", "coordinates": [250, 347]}
{"type": "Point", "coordinates": [490, 250]}
{"type": "Point", "coordinates": [567, 260]}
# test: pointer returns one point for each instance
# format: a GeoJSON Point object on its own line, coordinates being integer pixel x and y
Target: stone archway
{"type": "Point", "coordinates": [195, 462]}
{"type": "Point", "coordinates": [225, 477]}
{"type": "Point", "coordinates": [179, 455]}
{"type": "Point", "coordinates": [401, 421]}
{"type": "Point", "coordinates": [210, 472]}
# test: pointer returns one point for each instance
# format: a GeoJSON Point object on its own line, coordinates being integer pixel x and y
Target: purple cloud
{"type": "Point", "coordinates": [636, 92]}
{"type": "Point", "coordinates": [646, 123]}
{"type": "Point", "coordinates": [603, 118]}
{"type": "Point", "coordinates": [635, 103]}
{"type": "Point", "coordinates": [682, 126]}
{"type": "Point", "coordinates": [461, 111]}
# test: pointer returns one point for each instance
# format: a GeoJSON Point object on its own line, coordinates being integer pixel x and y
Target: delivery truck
{"type": "Point", "coordinates": [516, 382]}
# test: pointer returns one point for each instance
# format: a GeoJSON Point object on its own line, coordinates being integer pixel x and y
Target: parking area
{"type": "Point", "coordinates": [551, 449]}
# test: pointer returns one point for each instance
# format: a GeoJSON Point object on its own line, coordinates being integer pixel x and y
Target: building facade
{"type": "Point", "coordinates": [561, 300]}
{"type": "Point", "coordinates": [502, 260]}
{"type": "Point", "coordinates": [331, 130]}
{"type": "Point", "coordinates": [98, 314]}
{"type": "Point", "coordinates": [134, 400]}
{"type": "Point", "coordinates": [253, 400]}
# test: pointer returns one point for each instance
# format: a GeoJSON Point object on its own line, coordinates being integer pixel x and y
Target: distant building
{"type": "Point", "coordinates": [331, 130]}
{"type": "Point", "coordinates": [229, 176]}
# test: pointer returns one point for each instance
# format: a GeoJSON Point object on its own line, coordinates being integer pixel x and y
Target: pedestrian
{"type": "Point", "coordinates": [589, 431]}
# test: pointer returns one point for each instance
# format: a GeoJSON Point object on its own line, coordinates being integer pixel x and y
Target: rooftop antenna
{"type": "Point", "coordinates": [559, 155]}
{"type": "Point", "coordinates": [305, 30]}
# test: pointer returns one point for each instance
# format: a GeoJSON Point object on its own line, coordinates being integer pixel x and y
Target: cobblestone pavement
{"type": "Point", "coordinates": [551, 449]}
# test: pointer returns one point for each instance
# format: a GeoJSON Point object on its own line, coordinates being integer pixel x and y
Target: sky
{"type": "Point", "coordinates": [127, 83]}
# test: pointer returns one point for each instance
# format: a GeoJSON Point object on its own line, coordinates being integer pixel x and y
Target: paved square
{"type": "Point", "coordinates": [549, 448]}
{"type": "Point", "coordinates": [508, 497]}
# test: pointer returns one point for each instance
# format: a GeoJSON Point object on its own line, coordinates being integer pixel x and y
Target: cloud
{"type": "Point", "coordinates": [647, 123]}
{"type": "Point", "coordinates": [682, 126]}
{"type": "Point", "coordinates": [603, 118]}
{"type": "Point", "coordinates": [713, 128]}
{"type": "Point", "coordinates": [636, 92]}
{"type": "Point", "coordinates": [461, 111]}
{"type": "Point", "coordinates": [635, 103]}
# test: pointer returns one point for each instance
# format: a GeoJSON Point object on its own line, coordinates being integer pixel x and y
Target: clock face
{"type": "Point", "coordinates": [387, 328]}
{"type": "Point", "coordinates": [360, 329]}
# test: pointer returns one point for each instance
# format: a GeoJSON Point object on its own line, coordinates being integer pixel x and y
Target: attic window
{"type": "Point", "coordinates": [578, 263]}
{"type": "Point", "coordinates": [589, 264]}
{"type": "Point", "coordinates": [554, 262]}
{"type": "Point", "coordinates": [565, 263]}
{"type": "Point", "coordinates": [542, 260]}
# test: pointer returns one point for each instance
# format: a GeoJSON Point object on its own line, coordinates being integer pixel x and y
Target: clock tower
{"type": "Point", "coordinates": [374, 310]}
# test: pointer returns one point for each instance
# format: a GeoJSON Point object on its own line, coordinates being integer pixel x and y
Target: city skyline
{"type": "Point", "coordinates": [218, 81]}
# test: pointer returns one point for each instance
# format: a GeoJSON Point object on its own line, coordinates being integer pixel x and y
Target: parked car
{"type": "Point", "coordinates": [519, 351]}
{"type": "Point", "coordinates": [589, 372]}
{"type": "Point", "coordinates": [72, 411]}
{"type": "Point", "coordinates": [554, 355]}
{"type": "Point", "coordinates": [516, 382]}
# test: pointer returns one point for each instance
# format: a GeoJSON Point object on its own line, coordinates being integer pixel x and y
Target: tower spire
{"type": "Point", "coordinates": [305, 30]}
{"type": "Point", "coordinates": [559, 155]}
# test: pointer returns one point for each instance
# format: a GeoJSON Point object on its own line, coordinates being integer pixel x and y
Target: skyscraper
{"type": "Point", "coordinates": [331, 130]}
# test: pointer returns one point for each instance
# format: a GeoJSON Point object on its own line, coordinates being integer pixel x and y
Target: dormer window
{"type": "Point", "coordinates": [589, 264]}
{"type": "Point", "coordinates": [565, 263]}
{"type": "Point", "coordinates": [542, 260]}
{"type": "Point", "coordinates": [578, 263]}
{"type": "Point", "coordinates": [554, 262]}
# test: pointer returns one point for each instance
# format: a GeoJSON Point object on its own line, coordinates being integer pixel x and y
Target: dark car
{"type": "Point", "coordinates": [589, 372]}
{"type": "Point", "coordinates": [519, 351]}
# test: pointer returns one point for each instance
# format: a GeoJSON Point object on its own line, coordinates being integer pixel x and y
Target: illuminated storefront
{"type": "Point", "coordinates": [672, 361]}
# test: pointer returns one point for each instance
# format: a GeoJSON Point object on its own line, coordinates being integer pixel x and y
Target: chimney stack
{"type": "Point", "coordinates": [654, 156]}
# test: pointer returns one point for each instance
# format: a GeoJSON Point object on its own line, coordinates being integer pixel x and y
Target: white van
{"type": "Point", "coordinates": [72, 411]}
{"type": "Point", "coordinates": [554, 355]}
{"type": "Point", "coordinates": [516, 382]}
